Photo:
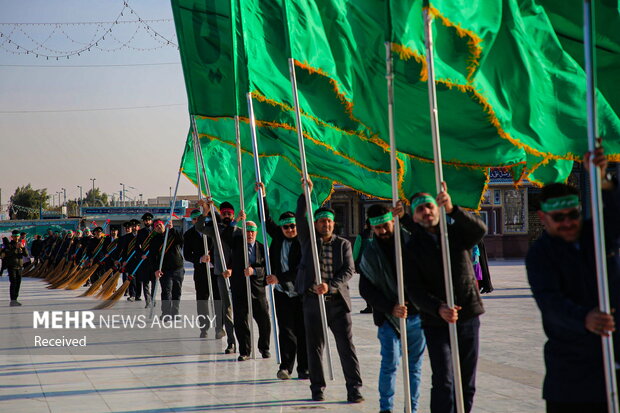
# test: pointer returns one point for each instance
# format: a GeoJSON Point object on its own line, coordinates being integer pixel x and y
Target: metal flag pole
{"type": "Point", "coordinates": [443, 227]}
{"type": "Point", "coordinates": [397, 236]}
{"type": "Point", "coordinates": [596, 199]}
{"type": "Point", "coordinates": [246, 257]}
{"type": "Point", "coordinates": [163, 248]}
{"type": "Point", "coordinates": [261, 213]}
{"type": "Point", "coordinates": [205, 243]}
{"type": "Point", "coordinates": [218, 238]}
{"type": "Point", "coordinates": [310, 212]}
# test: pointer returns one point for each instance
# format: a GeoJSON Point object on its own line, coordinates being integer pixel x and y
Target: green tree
{"type": "Point", "coordinates": [96, 198]}
{"type": "Point", "coordinates": [26, 201]}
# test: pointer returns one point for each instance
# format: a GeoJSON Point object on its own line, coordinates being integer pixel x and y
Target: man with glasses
{"type": "Point", "coordinates": [562, 274]}
{"type": "Point", "coordinates": [285, 253]}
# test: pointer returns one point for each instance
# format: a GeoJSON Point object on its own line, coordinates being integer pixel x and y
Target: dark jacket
{"type": "Point", "coordinates": [12, 256]}
{"type": "Point", "coordinates": [425, 264]}
{"type": "Point", "coordinates": [234, 238]}
{"type": "Point", "coordinates": [286, 280]}
{"type": "Point", "coordinates": [343, 259]}
{"type": "Point", "coordinates": [206, 227]}
{"type": "Point", "coordinates": [173, 256]}
{"type": "Point", "coordinates": [193, 246]}
{"type": "Point", "coordinates": [36, 247]}
{"type": "Point", "coordinates": [563, 279]}
{"type": "Point", "coordinates": [375, 262]}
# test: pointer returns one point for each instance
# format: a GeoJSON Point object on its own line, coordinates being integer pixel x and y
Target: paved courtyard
{"type": "Point", "coordinates": [510, 369]}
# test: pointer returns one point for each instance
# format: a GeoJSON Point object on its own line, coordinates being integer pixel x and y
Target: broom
{"type": "Point", "coordinates": [108, 287]}
{"type": "Point", "coordinates": [81, 277]}
{"type": "Point", "coordinates": [114, 298]}
{"type": "Point", "coordinates": [95, 286]}
{"type": "Point", "coordinates": [53, 275]}
{"type": "Point", "coordinates": [65, 277]}
{"type": "Point", "coordinates": [72, 274]}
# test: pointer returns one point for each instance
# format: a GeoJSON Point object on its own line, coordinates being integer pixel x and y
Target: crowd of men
{"type": "Point", "coordinates": [560, 268]}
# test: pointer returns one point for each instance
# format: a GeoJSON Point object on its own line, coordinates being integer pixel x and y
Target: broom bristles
{"type": "Point", "coordinates": [54, 273]}
{"type": "Point", "coordinates": [114, 298]}
{"type": "Point", "coordinates": [79, 280]}
{"type": "Point", "coordinates": [95, 286]}
{"type": "Point", "coordinates": [109, 287]}
{"type": "Point", "coordinates": [66, 278]}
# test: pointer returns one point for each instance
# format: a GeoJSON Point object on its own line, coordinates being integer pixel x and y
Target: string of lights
{"type": "Point", "coordinates": [27, 44]}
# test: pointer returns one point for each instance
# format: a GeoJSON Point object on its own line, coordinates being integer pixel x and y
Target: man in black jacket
{"type": "Point", "coordinates": [36, 249]}
{"type": "Point", "coordinates": [379, 287]}
{"type": "Point", "coordinates": [194, 252]}
{"type": "Point", "coordinates": [285, 253]}
{"type": "Point", "coordinates": [13, 256]}
{"type": "Point", "coordinates": [144, 275]}
{"type": "Point", "coordinates": [258, 280]}
{"type": "Point", "coordinates": [172, 272]}
{"type": "Point", "coordinates": [561, 270]}
{"type": "Point", "coordinates": [427, 290]}
{"type": "Point", "coordinates": [337, 268]}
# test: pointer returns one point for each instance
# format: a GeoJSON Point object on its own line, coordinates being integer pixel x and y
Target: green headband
{"type": "Point", "coordinates": [195, 214]}
{"type": "Point", "coordinates": [251, 228]}
{"type": "Point", "coordinates": [562, 202]}
{"type": "Point", "coordinates": [381, 219]}
{"type": "Point", "coordinates": [324, 214]}
{"type": "Point", "coordinates": [286, 221]}
{"type": "Point", "coordinates": [422, 199]}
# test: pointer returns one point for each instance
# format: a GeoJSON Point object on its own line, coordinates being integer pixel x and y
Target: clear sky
{"type": "Point", "coordinates": [61, 125]}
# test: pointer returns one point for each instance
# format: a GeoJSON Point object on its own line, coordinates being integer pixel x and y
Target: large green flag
{"type": "Point", "coordinates": [510, 91]}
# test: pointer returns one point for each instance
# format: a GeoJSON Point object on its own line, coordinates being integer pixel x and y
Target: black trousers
{"type": "Point", "coordinates": [339, 322]}
{"type": "Point", "coordinates": [260, 311]}
{"type": "Point", "coordinates": [171, 286]}
{"type": "Point", "coordinates": [438, 344]}
{"type": "Point", "coordinates": [15, 280]}
{"type": "Point", "coordinates": [145, 278]}
{"type": "Point", "coordinates": [201, 284]}
{"type": "Point", "coordinates": [292, 332]}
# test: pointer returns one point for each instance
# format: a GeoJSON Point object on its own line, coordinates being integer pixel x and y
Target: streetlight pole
{"type": "Point", "coordinates": [64, 196]}
{"type": "Point", "coordinates": [93, 193]}
{"type": "Point", "coordinates": [80, 186]}
{"type": "Point", "coordinates": [141, 202]}
{"type": "Point", "coordinates": [123, 202]}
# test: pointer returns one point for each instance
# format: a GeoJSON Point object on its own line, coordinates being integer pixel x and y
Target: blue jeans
{"type": "Point", "coordinates": [390, 359]}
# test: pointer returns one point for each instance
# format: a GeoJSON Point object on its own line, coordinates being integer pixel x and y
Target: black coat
{"type": "Point", "coordinates": [425, 264]}
{"type": "Point", "coordinates": [234, 237]}
{"type": "Point", "coordinates": [12, 256]}
{"type": "Point", "coordinates": [563, 279]}
{"type": "Point", "coordinates": [173, 255]}
{"type": "Point", "coordinates": [36, 248]}
{"type": "Point", "coordinates": [343, 265]}
{"type": "Point", "coordinates": [193, 246]}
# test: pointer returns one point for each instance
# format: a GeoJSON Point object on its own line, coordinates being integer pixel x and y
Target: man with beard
{"type": "Point", "coordinates": [285, 253]}
{"type": "Point", "coordinates": [336, 268]}
{"type": "Point", "coordinates": [12, 256]}
{"type": "Point", "coordinates": [258, 279]}
{"type": "Point", "coordinates": [424, 264]}
{"type": "Point", "coordinates": [378, 286]}
{"type": "Point", "coordinates": [172, 272]}
{"type": "Point", "coordinates": [207, 227]}
{"type": "Point", "coordinates": [194, 252]}
{"type": "Point", "coordinates": [562, 274]}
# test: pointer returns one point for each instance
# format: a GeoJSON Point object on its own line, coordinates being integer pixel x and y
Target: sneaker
{"type": "Point", "coordinates": [203, 334]}
{"type": "Point", "coordinates": [15, 303]}
{"type": "Point", "coordinates": [355, 398]}
{"type": "Point", "coordinates": [318, 396]}
{"type": "Point", "coordinates": [138, 299]}
{"type": "Point", "coordinates": [367, 310]}
{"type": "Point", "coordinates": [283, 375]}
{"type": "Point", "coordinates": [220, 334]}
{"type": "Point", "coordinates": [265, 353]}
{"type": "Point", "coordinates": [230, 349]}
{"type": "Point", "coordinates": [243, 358]}
{"type": "Point", "coordinates": [131, 299]}
{"type": "Point", "coordinates": [304, 375]}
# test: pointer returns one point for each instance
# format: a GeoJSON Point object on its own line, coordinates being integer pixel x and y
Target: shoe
{"type": "Point", "coordinates": [220, 334]}
{"type": "Point", "coordinates": [203, 334]}
{"type": "Point", "coordinates": [385, 411]}
{"type": "Point", "coordinates": [318, 396]}
{"type": "Point", "coordinates": [243, 358]}
{"type": "Point", "coordinates": [355, 398]}
{"type": "Point", "coordinates": [304, 375]}
{"type": "Point", "coordinates": [15, 303]}
{"type": "Point", "coordinates": [367, 310]}
{"type": "Point", "coordinates": [131, 299]}
{"type": "Point", "coordinates": [265, 353]}
{"type": "Point", "coordinates": [283, 375]}
{"type": "Point", "coordinates": [231, 349]}
{"type": "Point", "coordinates": [138, 299]}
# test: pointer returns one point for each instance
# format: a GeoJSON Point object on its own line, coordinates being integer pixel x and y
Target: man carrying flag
{"type": "Point", "coordinates": [378, 286]}
{"type": "Point", "coordinates": [562, 274]}
{"type": "Point", "coordinates": [172, 272]}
